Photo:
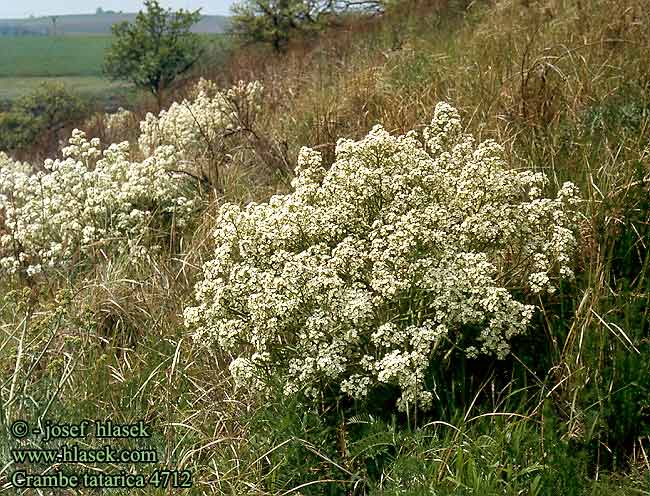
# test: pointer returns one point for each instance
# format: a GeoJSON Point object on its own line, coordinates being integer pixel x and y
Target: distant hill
{"type": "Point", "coordinates": [92, 24]}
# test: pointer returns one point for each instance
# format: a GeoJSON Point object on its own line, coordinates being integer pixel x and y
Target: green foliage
{"type": "Point", "coordinates": [39, 116]}
{"type": "Point", "coordinates": [278, 21]}
{"type": "Point", "coordinates": [16, 130]}
{"type": "Point", "coordinates": [626, 111]}
{"type": "Point", "coordinates": [50, 105]}
{"type": "Point", "coordinates": [154, 50]}
{"type": "Point", "coordinates": [293, 448]}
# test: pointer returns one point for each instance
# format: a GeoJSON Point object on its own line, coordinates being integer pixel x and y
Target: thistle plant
{"type": "Point", "coordinates": [87, 201]}
{"type": "Point", "coordinates": [368, 271]}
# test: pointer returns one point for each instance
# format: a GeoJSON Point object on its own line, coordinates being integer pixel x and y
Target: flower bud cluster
{"type": "Point", "coordinates": [369, 270]}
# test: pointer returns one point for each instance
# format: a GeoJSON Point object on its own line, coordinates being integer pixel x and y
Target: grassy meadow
{"type": "Point", "coordinates": [563, 85]}
{"type": "Point", "coordinates": [52, 56]}
{"type": "Point", "coordinates": [26, 62]}
{"type": "Point", "coordinates": [89, 86]}
{"type": "Point", "coordinates": [74, 60]}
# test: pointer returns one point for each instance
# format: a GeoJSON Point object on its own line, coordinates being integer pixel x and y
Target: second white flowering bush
{"type": "Point", "coordinates": [369, 270]}
{"type": "Point", "coordinates": [89, 201]}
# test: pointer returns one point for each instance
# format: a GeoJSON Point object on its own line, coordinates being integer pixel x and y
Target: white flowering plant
{"type": "Point", "coordinates": [118, 123]}
{"type": "Point", "coordinates": [367, 272]}
{"type": "Point", "coordinates": [88, 201]}
{"type": "Point", "coordinates": [204, 129]}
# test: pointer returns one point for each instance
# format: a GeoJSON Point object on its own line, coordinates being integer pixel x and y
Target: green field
{"type": "Point", "coordinates": [12, 88]}
{"type": "Point", "coordinates": [47, 56]}
{"type": "Point", "coordinates": [75, 61]}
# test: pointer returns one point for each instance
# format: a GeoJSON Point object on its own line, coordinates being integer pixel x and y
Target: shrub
{"type": "Point", "coordinates": [368, 271]}
{"type": "Point", "coordinates": [89, 200]}
{"type": "Point", "coordinates": [38, 118]}
{"type": "Point", "coordinates": [17, 130]}
{"type": "Point", "coordinates": [52, 105]}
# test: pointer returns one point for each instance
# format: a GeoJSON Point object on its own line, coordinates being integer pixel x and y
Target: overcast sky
{"type": "Point", "coordinates": [25, 8]}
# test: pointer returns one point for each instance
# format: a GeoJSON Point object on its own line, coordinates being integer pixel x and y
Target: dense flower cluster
{"type": "Point", "coordinates": [199, 128]}
{"type": "Point", "coordinates": [84, 202]}
{"type": "Point", "coordinates": [368, 270]}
